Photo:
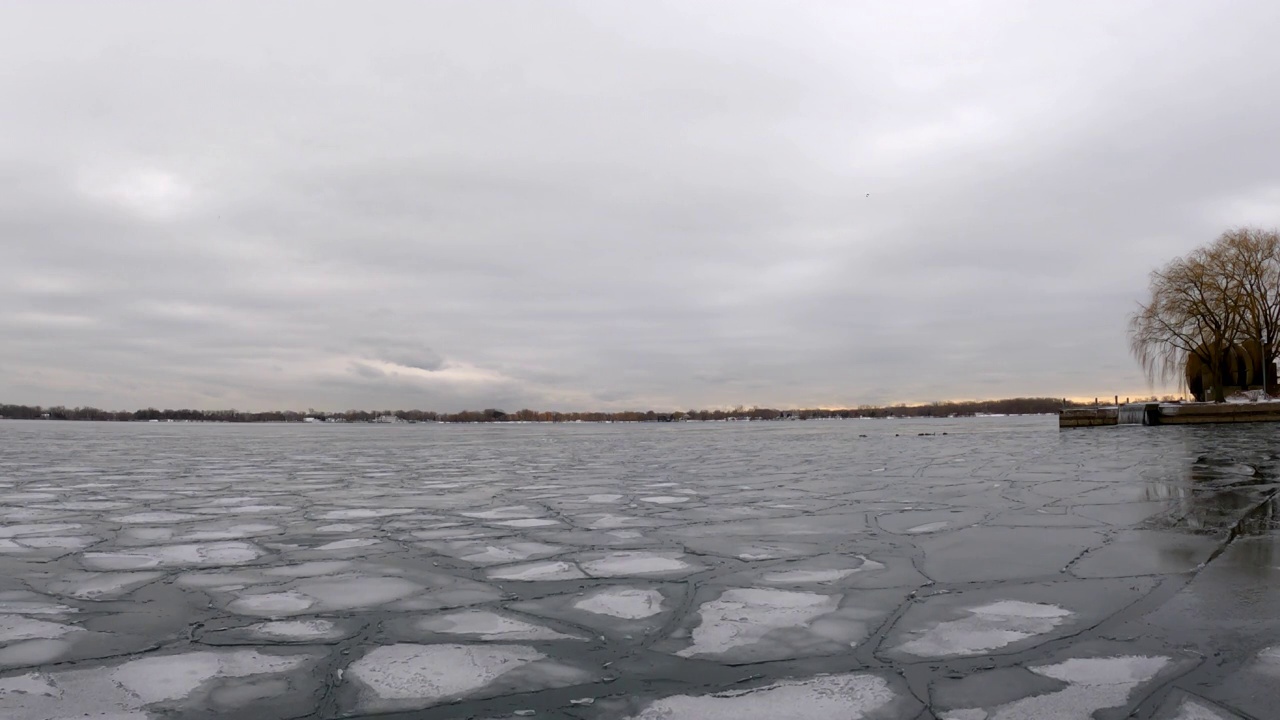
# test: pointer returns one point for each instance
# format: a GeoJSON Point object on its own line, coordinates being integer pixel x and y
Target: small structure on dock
{"type": "Point", "coordinates": [1241, 369]}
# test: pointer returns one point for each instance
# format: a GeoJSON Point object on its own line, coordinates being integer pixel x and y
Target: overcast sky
{"type": "Point", "coordinates": [606, 205]}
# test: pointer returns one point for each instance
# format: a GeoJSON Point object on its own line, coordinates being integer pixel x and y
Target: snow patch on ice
{"type": "Point", "coordinates": [489, 626]}
{"type": "Point", "coordinates": [1093, 684]}
{"type": "Point", "coordinates": [511, 512]}
{"type": "Point", "coordinates": [297, 630]}
{"type": "Point", "coordinates": [626, 603]}
{"type": "Point", "coordinates": [101, 586]}
{"type": "Point", "coordinates": [509, 552]}
{"type": "Point", "coordinates": [538, 572]}
{"type": "Point", "coordinates": [173, 677]}
{"type": "Point", "coordinates": [603, 498]}
{"type": "Point", "coordinates": [349, 544]}
{"type": "Point", "coordinates": [155, 518]}
{"type": "Point", "coordinates": [928, 528]}
{"type": "Point", "coordinates": [842, 697]}
{"type": "Point", "coordinates": [804, 577]}
{"type": "Point", "coordinates": [627, 564]}
{"type": "Point", "coordinates": [409, 676]}
{"type": "Point", "coordinates": [987, 627]}
{"type": "Point", "coordinates": [325, 595]}
{"type": "Point", "coordinates": [743, 616]}
{"type": "Point", "coordinates": [14, 531]}
{"type": "Point", "coordinates": [196, 555]}
{"type": "Point", "coordinates": [527, 523]}
{"type": "Point", "coordinates": [362, 513]}
{"type": "Point", "coordinates": [17, 627]}
{"type": "Point", "coordinates": [1191, 709]}
{"type": "Point", "coordinates": [33, 652]}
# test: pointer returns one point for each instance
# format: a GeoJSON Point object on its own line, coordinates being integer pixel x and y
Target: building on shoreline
{"type": "Point", "coordinates": [1240, 370]}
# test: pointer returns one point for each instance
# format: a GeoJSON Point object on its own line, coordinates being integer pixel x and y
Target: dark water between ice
{"type": "Point", "coordinates": [991, 568]}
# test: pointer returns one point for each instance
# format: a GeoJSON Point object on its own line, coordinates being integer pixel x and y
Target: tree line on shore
{"type": "Point", "coordinates": [1010, 406]}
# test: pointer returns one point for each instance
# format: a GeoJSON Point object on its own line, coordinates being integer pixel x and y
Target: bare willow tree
{"type": "Point", "coordinates": [1253, 257]}
{"type": "Point", "coordinates": [1196, 309]}
{"type": "Point", "coordinates": [1208, 305]}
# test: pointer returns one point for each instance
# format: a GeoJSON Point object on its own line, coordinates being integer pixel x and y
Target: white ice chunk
{"type": "Point", "coordinates": [149, 534]}
{"type": "Point", "coordinates": [233, 532]}
{"type": "Point", "coordinates": [249, 509]}
{"type": "Point", "coordinates": [928, 528]}
{"type": "Point", "coordinates": [626, 564]}
{"type": "Point", "coordinates": [32, 652]}
{"type": "Point", "coordinates": [310, 569]}
{"type": "Point", "coordinates": [416, 676]}
{"type": "Point", "coordinates": [362, 513]}
{"type": "Point", "coordinates": [31, 607]}
{"type": "Point", "coordinates": [510, 552]}
{"type": "Point", "coordinates": [77, 542]}
{"type": "Point", "coordinates": [289, 602]}
{"type": "Point", "coordinates": [1094, 684]}
{"type": "Point", "coordinates": [831, 697]}
{"type": "Point", "coordinates": [172, 677]}
{"type": "Point", "coordinates": [349, 543]}
{"type": "Point", "coordinates": [155, 518]}
{"type": "Point", "coordinates": [807, 577]}
{"type": "Point", "coordinates": [538, 572]}
{"type": "Point", "coordinates": [297, 630]}
{"type": "Point", "coordinates": [987, 627]}
{"type": "Point", "coordinates": [17, 627]}
{"type": "Point", "coordinates": [196, 555]}
{"type": "Point", "coordinates": [602, 498]}
{"type": "Point", "coordinates": [665, 499]}
{"type": "Point", "coordinates": [102, 586]}
{"type": "Point", "coordinates": [14, 531]}
{"type": "Point", "coordinates": [610, 522]}
{"type": "Point", "coordinates": [489, 626]}
{"type": "Point", "coordinates": [626, 603]}
{"type": "Point", "coordinates": [33, 684]}
{"type": "Point", "coordinates": [342, 528]}
{"type": "Point", "coordinates": [325, 595]}
{"type": "Point", "coordinates": [511, 512]}
{"type": "Point", "coordinates": [527, 523]}
{"type": "Point", "coordinates": [1190, 709]}
{"type": "Point", "coordinates": [743, 616]}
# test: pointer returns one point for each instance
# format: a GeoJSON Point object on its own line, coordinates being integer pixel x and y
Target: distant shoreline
{"type": "Point", "coordinates": [974, 408]}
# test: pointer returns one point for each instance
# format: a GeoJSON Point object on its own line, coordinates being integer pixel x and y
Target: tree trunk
{"type": "Point", "coordinates": [1218, 370]}
{"type": "Point", "coordinates": [1269, 377]}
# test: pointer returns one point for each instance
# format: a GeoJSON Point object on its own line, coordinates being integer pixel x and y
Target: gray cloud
{"type": "Point", "coordinates": [608, 204]}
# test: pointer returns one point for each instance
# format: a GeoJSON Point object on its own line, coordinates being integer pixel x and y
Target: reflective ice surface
{"type": "Point", "coordinates": [974, 569]}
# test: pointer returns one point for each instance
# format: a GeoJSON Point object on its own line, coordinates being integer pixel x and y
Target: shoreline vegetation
{"type": "Point", "coordinates": [969, 408]}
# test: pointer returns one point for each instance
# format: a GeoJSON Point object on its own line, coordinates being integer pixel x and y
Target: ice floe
{"type": "Point", "coordinates": [626, 603]}
{"type": "Point", "coordinates": [194, 555]}
{"type": "Point", "coordinates": [831, 697]}
{"type": "Point", "coordinates": [18, 627]}
{"type": "Point", "coordinates": [744, 616]}
{"type": "Point", "coordinates": [314, 630]}
{"type": "Point", "coordinates": [986, 627]}
{"type": "Point", "coordinates": [537, 572]}
{"type": "Point", "coordinates": [326, 594]}
{"type": "Point", "coordinates": [410, 676]}
{"type": "Point", "coordinates": [489, 626]}
{"type": "Point", "coordinates": [638, 563]}
{"type": "Point", "coordinates": [1093, 684]}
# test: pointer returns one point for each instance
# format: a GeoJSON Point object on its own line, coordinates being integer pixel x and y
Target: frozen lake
{"type": "Point", "coordinates": [969, 569]}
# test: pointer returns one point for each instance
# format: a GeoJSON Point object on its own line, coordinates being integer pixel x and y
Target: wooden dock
{"type": "Point", "coordinates": [1170, 414]}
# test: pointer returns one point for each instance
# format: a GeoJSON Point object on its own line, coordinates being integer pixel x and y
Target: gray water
{"type": "Point", "coordinates": [967, 569]}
